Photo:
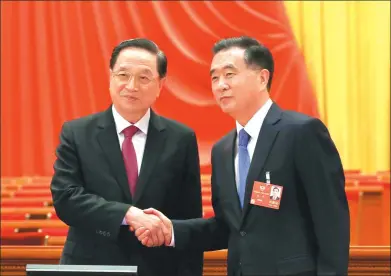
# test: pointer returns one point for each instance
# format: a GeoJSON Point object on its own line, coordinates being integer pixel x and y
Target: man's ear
{"type": "Point", "coordinates": [161, 83]}
{"type": "Point", "coordinates": [264, 76]}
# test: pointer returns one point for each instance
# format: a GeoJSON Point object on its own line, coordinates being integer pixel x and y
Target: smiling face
{"type": "Point", "coordinates": [236, 86]}
{"type": "Point", "coordinates": [134, 84]}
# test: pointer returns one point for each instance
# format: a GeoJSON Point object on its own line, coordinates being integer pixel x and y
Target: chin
{"type": "Point", "coordinates": [227, 109]}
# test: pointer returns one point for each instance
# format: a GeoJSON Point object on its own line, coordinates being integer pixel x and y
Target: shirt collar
{"type": "Point", "coordinates": [121, 123]}
{"type": "Point", "coordinates": [254, 125]}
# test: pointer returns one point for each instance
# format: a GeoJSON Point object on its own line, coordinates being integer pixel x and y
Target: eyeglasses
{"type": "Point", "coordinates": [123, 77]}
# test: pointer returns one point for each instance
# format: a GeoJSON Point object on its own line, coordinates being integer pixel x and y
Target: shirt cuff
{"type": "Point", "coordinates": [124, 222]}
{"type": "Point", "coordinates": [172, 244]}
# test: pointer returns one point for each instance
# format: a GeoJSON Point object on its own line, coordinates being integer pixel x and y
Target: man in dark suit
{"type": "Point", "coordinates": [112, 164]}
{"type": "Point", "coordinates": [308, 232]}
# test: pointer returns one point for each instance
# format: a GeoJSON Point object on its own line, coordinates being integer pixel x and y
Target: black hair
{"type": "Point", "coordinates": [145, 44]}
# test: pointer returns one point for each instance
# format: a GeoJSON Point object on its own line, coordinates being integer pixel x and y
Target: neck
{"type": "Point", "coordinates": [132, 117]}
{"type": "Point", "coordinates": [246, 114]}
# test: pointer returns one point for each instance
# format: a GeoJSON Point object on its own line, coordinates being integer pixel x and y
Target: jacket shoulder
{"type": "Point", "coordinates": [85, 121]}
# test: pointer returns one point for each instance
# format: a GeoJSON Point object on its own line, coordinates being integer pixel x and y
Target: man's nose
{"type": "Point", "coordinates": [222, 85]}
{"type": "Point", "coordinates": [131, 84]}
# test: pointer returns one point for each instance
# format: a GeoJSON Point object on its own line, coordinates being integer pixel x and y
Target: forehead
{"type": "Point", "coordinates": [232, 56]}
{"type": "Point", "coordinates": [134, 57]}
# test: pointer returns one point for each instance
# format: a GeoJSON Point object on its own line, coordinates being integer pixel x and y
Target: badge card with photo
{"type": "Point", "coordinates": [266, 195]}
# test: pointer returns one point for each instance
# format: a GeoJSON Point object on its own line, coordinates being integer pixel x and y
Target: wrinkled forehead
{"type": "Point", "coordinates": [135, 58]}
{"type": "Point", "coordinates": [226, 58]}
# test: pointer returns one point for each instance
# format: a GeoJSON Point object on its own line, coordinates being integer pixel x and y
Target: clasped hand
{"type": "Point", "coordinates": [151, 227]}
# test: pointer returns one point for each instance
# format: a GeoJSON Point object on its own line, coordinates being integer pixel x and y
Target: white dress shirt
{"type": "Point", "coordinates": [139, 138]}
{"type": "Point", "coordinates": [252, 128]}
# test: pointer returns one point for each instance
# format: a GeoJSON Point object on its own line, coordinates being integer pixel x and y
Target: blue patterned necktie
{"type": "Point", "coordinates": [244, 163]}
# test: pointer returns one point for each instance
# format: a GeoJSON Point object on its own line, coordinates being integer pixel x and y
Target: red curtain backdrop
{"type": "Point", "coordinates": [55, 66]}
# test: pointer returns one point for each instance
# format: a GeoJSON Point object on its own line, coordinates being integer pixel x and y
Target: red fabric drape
{"type": "Point", "coordinates": [55, 64]}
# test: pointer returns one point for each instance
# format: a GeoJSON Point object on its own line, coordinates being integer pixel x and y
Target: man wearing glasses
{"type": "Point", "coordinates": [113, 164]}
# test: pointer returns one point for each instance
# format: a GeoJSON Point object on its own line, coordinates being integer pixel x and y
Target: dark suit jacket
{"type": "Point", "coordinates": [308, 234]}
{"type": "Point", "coordinates": [277, 198]}
{"type": "Point", "coordinates": [91, 193]}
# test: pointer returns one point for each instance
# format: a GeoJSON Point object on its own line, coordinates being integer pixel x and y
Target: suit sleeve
{"type": "Point", "coordinates": [321, 172]}
{"type": "Point", "coordinates": [203, 234]}
{"type": "Point", "coordinates": [74, 205]}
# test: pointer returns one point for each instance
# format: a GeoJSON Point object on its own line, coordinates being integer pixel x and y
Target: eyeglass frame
{"type": "Point", "coordinates": [115, 75]}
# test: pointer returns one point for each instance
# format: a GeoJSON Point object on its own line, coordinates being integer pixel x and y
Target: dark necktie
{"type": "Point", "coordinates": [129, 156]}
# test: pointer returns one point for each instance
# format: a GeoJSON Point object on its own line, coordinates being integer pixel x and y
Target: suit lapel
{"type": "Point", "coordinates": [229, 181]}
{"type": "Point", "coordinates": [154, 145]}
{"type": "Point", "coordinates": [108, 141]}
{"type": "Point", "coordinates": [266, 138]}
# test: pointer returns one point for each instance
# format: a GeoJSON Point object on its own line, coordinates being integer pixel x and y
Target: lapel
{"type": "Point", "coordinates": [108, 141]}
{"type": "Point", "coordinates": [229, 181]}
{"type": "Point", "coordinates": [266, 138]}
{"type": "Point", "coordinates": [154, 146]}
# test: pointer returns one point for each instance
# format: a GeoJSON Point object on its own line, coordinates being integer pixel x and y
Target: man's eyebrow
{"type": "Point", "coordinates": [146, 70]}
{"type": "Point", "coordinates": [124, 68]}
{"type": "Point", "coordinates": [228, 66]}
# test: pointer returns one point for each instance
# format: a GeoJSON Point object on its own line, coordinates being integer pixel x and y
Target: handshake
{"type": "Point", "coordinates": [151, 227]}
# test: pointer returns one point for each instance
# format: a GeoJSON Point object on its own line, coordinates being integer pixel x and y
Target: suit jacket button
{"type": "Point", "coordinates": [242, 233]}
